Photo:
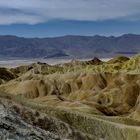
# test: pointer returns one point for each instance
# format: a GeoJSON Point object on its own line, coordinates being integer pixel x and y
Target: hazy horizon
{"type": "Point", "coordinates": [101, 35]}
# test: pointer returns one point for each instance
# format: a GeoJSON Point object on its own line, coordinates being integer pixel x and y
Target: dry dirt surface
{"type": "Point", "coordinates": [92, 99]}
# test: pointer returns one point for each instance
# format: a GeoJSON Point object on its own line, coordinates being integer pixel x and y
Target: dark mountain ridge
{"type": "Point", "coordinates": [69, 46]}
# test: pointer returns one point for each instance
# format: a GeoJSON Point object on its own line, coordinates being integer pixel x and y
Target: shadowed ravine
{"type": "Point", "coordinates": [78, 100]}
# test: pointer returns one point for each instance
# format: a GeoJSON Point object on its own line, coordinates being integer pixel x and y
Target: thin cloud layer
{"type": "Point", "coordinates": [40, 11]}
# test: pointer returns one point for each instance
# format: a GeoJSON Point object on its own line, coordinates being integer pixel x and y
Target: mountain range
{"type": "Point", "coordinates": [69, 46]}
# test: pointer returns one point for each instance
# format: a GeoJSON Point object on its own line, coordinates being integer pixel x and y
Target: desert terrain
{"type": "Point", "coordinates": [89, 100]}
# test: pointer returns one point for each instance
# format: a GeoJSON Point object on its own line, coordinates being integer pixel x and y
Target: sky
{"type": "Point", "coordinates": [49, 18]}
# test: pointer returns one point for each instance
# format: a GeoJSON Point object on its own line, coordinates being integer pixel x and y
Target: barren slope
{"type": "Point", "coordinates": [100, 100]}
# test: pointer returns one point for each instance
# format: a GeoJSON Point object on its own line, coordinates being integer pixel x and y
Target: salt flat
{"type": "Point", "coordinates": [9, 63]}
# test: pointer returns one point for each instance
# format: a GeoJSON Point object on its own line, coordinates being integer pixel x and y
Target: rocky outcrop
{"type": "Point", "coordinates": [6, 75]}
{"type": "Point", "coordinates": [119, 59]}
{"type": "Point", "coordinates": [12, 126]}
{"type": "Point", "coordinates": [94, 61]}
{"type": "Point", "coordinates": [21, 123]}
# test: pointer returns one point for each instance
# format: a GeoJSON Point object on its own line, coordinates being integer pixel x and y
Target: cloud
{"type": "Point", "coordinates": [40, 11]}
